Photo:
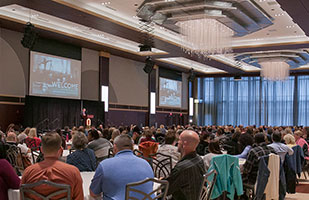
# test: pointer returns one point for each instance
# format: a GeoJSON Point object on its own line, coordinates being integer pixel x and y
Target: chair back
{"type": "Point", "coordinates": [62, 189]}
{"type": "Point", "coordinates": [161, 164]}
{"type": "Point", "coordinates": [208, 185]}
{"type": "Point", "coordinates": [14, 156]}
{"type": "Point", "coordinates": [110, 152]}
{"type": "Point", "coordinates": [141, 155]}
{"type": "Point", "coordinates": [35, 153]}
{"type": "Point", "coordinates": [159, 191]}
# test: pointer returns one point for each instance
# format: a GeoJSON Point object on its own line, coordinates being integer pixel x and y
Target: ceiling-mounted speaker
{"type": "Point", "coordinates": [237, 78]}
{"type": "Point", "coordinates": [148, 65]}
{"type": "Point", "coordinates": [30, 36]}
{"type": "Point", "coordinates": [191, 75]}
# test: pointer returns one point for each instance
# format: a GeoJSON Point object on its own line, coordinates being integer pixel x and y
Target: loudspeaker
{"type": "Point", "coordinates": [148, 65]}
{"type": "Point", "coordinates": [30, 36]}
{"type": "Point", "coordinates": [237, 78]}
{"type": "Point", "coordinates": [191, 75]}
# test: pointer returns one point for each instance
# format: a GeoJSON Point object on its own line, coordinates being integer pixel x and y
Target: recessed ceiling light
{"type": "Point", "coordinates": [106, 3]}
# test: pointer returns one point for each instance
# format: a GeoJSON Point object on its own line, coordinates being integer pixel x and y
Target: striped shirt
{"type": "Point", "coordinates": [186, 178]}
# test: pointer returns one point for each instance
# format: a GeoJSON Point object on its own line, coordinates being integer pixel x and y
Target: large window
{"type": "Point", "coordinates": [253, 101]}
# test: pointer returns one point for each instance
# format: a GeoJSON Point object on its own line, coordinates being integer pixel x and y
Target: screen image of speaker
{"type": "Point", "coordinates": [54, 76]}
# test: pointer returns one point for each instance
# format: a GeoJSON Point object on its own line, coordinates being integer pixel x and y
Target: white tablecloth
{"type": "Point", "coordinates": [86, 176]}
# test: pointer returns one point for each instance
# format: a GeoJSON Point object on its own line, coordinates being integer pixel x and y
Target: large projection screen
{"type": "Point", "coordinates": [54, 76]}
{"type": "Point", "coordinates": [170, 93]}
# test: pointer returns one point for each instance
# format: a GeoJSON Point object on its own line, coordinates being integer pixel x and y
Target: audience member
{"type": "Point", "coordinates": [83, 158]}
{"type": "Point", "coordinates": [12, 140]}
{"type": "Point", "coordinates": [169, 148]}
{"type": "Point", "coordinates": [280, 148]}
{"type": "Point", "coordinates": [202, 147]}
{"type": "Point", "coordinates": [115, 133]}
{"type": "Point", "coordinates": [112, 175]}
{"type": "Point", "coordinates": [53, 169]}
{"type": "Point", "coordinates": [100, 146]}
{"type": "Point", "coordinates": [32, 140]}
{"type": "Point", "coordinates": [232, 145]}
{"type": "Point", "coordinates": [22, 136]}
{"type": "Point", "coordinates": [8, 178]}
{"type": "Point", "coordinates": [214, 150]}
{"type": "Point", "coordinates": [301, 142]}
{"type": "Point", "coordinates": [190, 167]}
{"type": "Point", "coordinates": [147, 136]}
{"type": "Point", "coordinates": [289, 140]}
{"type": "Point", "coordinates": [246, 141]}
{"type": "Point", "coordinates": [258, 150]}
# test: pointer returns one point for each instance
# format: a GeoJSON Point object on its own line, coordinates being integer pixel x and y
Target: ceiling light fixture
{"type": "Point", "coordinates": [275, 70]}
{"type": "Point", "coordinates": [205, 37]}
{"type": "Point", "coordinates": [206, 27]}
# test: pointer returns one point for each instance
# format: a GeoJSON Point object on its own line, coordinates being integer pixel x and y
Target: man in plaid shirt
{"type": "Point", "coordinates": [258, 150]}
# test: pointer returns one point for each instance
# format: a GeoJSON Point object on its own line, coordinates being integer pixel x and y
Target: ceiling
{"type": "Point", "coordinates": [113, 26]}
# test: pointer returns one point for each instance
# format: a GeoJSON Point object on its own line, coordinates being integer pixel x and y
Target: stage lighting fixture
{"type": "Point", "coordinates": [30, 36]}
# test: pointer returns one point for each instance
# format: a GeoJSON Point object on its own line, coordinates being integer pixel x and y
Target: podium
{"type": "Point", "coordinates": [88, 120]}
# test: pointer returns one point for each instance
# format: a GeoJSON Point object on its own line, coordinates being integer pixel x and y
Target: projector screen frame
{"type": "Point", "coordinates": [30, 68]}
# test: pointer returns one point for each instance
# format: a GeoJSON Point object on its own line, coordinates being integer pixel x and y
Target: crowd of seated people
{"type": "Point", "coordinates": [195, 149]}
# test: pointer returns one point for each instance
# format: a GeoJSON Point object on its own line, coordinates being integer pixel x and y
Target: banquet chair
{"type": "Point", "coordinates": [161, 164]}
{"type": "Point", "coordinates": [13, 153]}
{"type": "Point", "coordinates": [110, 152]}
{"type": "Point", "coordinates": [62, 189]}
{"type": "Point", "coordinates": [208, 185]}
{"type": "Point", "coordinates": [159, 190]}
{"type": "Point", "coordinates": [36, 154]}
{"type": "Point", "coordinates": [141, 155]}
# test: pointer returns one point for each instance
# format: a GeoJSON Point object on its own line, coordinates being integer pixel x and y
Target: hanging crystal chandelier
{"type": "Point", "coordinates": [275, 70]}
{"type": "Point", "coordinates": [205, 37]}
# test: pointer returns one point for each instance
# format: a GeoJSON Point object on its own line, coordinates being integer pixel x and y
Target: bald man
{"type": "Point", "coordinates": [185, 180]}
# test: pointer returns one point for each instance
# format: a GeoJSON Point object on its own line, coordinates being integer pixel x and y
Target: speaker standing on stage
{"type": "Point", "coordinates": [83, 115]}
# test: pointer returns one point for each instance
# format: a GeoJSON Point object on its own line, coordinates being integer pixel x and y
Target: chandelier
{"type": "Point", "coordinates": [206, 26]}
{"type": "Point", "coordinates": [275, 70]}
{"type": "Point", "coordinates": [205, 37]}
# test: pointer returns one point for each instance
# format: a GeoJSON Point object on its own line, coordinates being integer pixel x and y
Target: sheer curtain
{"type": "Point", "coordinates": [303, 100]}
{"type": "Point", "coordinates": [250, 101]}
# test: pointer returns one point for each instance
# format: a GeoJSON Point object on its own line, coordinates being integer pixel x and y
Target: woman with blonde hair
{"type": "Point", "coordinates": [289, 140]}
{"type": "Point", "coordinates": [32, 140]}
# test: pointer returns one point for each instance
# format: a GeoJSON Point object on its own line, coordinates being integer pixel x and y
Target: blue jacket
{"type": "Point", "coordinates": [262, 179]}
{"type": "Point", "coordinates": [229, 177]}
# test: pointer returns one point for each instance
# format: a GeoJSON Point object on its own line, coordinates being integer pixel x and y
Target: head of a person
{"type": "Point", "coordinates": [220, 132]}
{"type": "Point", "coordinates": [11, 137]}
{"type": "Point", "coordinates": [51, 144]}
{"type": "Point", "coordinates": [259, 138]}
{"type": "Point", "coordinates": [148, 133]}
{"type": "Point", "coordinates": [214, 147]}
{"type": "Point", "coordinates": [79, 140]}
{"type": "Point", "coordinates": [205, 136]}
{"type": "Point", "coordinates": [122, 142]}
{"type": "Point", "coordinates": [289, 139]}
{"type": "Point", "coordinates": [115, 133]}
{"type": "Point", "coordinates": [170, 137]}
{"type": "Point", "coordinates": [32, 133]}
{"type": "Point", "coordinates": [187, 143]}
{"type": "Point", "coordinates": [298, 134]}
{"type": "Point", "coordinates": [27, 130]}
{"type": "Point", "coordinates": [93, 135]}
{"type": "Point", "coordinates": [276, 136]}
{"type": "Point", "coordinates": [246, 140]}
{"type": "Point", "coordinates": [84, 109]}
